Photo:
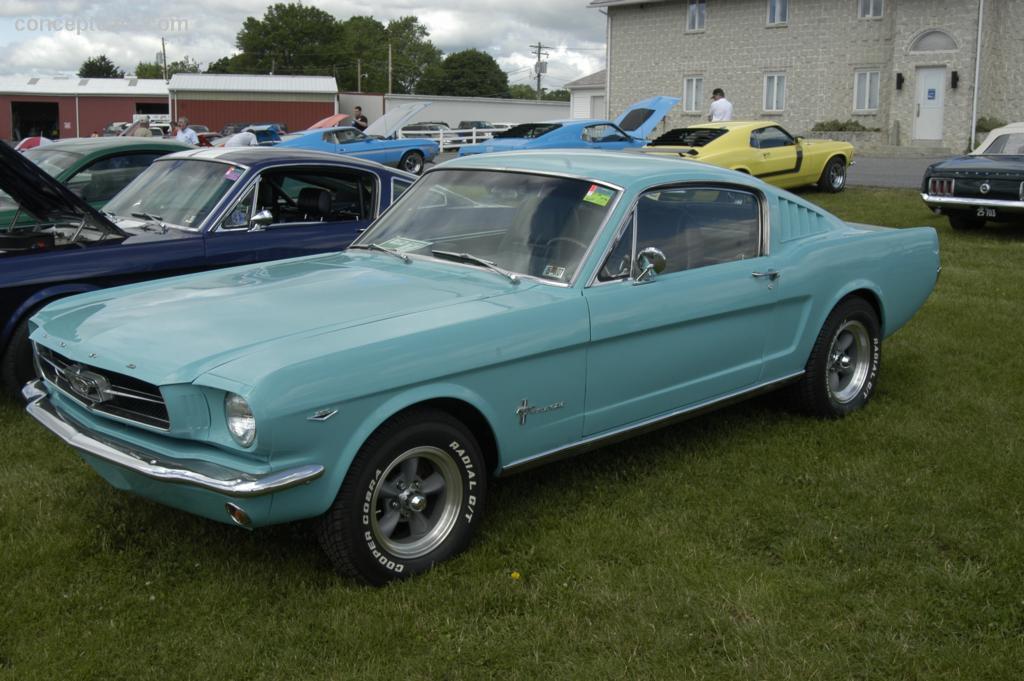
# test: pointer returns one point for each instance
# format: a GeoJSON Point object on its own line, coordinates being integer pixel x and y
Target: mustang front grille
{"type": "Point", "coordinates": [104, 391]}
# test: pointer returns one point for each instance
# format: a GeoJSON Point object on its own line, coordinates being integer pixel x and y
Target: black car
{"type": "Point", "coordinates": [987, 184]}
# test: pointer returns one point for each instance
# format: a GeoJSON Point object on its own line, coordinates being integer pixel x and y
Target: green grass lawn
{"type": "Point", "coordinates": [749, 544]}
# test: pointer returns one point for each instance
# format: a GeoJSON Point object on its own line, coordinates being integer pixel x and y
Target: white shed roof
{"type": "Point", "coordinates": [231, 82]}
{"type": "Point", "coordinates": [73, 85]}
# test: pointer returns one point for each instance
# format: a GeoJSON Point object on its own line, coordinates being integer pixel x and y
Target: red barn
{"type": "Point", "coordinates": [74, 107]}
{"type": "Point", "coordinates": [216, 100]}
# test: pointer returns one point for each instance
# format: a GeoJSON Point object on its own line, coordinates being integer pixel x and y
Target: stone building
{"type": "Point", "coordinates": [905, 67]}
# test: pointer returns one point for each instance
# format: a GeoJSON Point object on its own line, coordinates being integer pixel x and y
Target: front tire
{"type": "Point", "coordinates": [965, 222]}
{"type": "Point", "coordinates": [412, 498]}
{"type": "Point", "coordinates": [833, 177]}
{"type": "Point", "coordinates": [412, 162]}
{"type": "Point", "coordinates": [16, 367]}
{"type": "Point", "coordinates": [842, 372]}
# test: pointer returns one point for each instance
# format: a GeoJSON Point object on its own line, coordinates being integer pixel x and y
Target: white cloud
{"type": "Point", "coordinates": [129, 32]}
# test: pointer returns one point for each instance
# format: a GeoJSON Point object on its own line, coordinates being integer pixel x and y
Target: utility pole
{"type": "Point", "coordinates": [359, 75]}
{"type": "Point", "coordinates": [163, 50]}
{"type": "Point", "coordinates": [389, 68]}
{"type": "Point", "coordinates": [541, 66]}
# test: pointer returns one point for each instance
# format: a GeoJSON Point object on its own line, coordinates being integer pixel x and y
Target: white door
{"type": "Point", "coordinates": [597, 107]}
{"type": "Point", "coordinates": [931, 96]}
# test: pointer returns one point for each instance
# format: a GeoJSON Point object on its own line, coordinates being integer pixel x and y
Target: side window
{"type": "Point", "coordinates": [317, 195]}
{"type": "Point", "coordinates": [699, 226]}
{"type": "Point", "coordinates": [238, 216]}
{"type": "Point", "coordinates": [769, 138]}
{"type": "Point", "coordinates": [101, 180]}
{"type": "Point", "coordinates": [331, 137]}
{"type": "Point", "coordinates": [603, 133]}
{"type": "Point", "coordinates": [398, 187]}
{"type": "Point", "coordinates": [619, 264]}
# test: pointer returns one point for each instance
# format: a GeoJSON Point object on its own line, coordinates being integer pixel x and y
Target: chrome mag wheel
{"type": "Point", "coordinates": [849, 361]}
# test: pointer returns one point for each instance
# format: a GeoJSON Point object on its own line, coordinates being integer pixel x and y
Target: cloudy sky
{"type": "Point", "coordinates": [53, 37]}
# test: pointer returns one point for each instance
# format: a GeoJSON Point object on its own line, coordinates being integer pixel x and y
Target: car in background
{"type": "Point", "coordinates": [192, 210]}
{"type": "Point", "coordinates": [471, 132]}
{"type": "Point", "coordinates": [762, 149]}
{"type": "Point", "coordinates": [628, 131]}
{"type": "Point", "coordinates": [374, 143]}
{"type": "Point", "coordinates": [93, 168]}
{"type": "Point", "coordinates": [987, 184]}
{"type": "Point", "coordinates": [208, 139]}
{"type": "Point", "coordinates": [510, 309]}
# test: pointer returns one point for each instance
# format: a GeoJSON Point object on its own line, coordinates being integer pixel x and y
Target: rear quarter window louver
{"type": "Point", "coordinates": [797, 222]}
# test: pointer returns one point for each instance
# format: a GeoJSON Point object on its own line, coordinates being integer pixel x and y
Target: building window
{"type": "Point", "coordinates": [778, 12]}
{"type": "Point", "coordinates": [870, 9]}
{"type": "Point", "coordinates": [865, 91]}
{"type": "Point", "coordinates": [695, 14]}
{"type": "Point", "coordinates": [693, 93]}
{"type": "Point", "coordinates": [933, 41]}
{"type": "Point", "coordinates": [774, 91]}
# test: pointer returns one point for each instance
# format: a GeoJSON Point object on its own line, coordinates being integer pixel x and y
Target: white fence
{"type": "Point", "coordinates": [451, 140]}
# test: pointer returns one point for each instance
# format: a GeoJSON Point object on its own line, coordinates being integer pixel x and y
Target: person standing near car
{"type": "Point", "coordinates": [359, 121]}
{"type": "Point", "coordinates": [721, 108]}
{"type": "Point", "coordinates": [185, 133]}
{"type": "Point", "coordinates": [142, 129]}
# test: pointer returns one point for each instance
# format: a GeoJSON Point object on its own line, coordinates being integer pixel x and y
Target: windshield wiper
{"type": "Point", "coordinates": [476, 260]}
{"type": "Point", "coordinates": [384, 249]}
{"type": "Point", "coordinates": [152, 218]}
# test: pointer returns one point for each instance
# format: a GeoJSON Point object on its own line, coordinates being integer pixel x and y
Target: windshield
{"type": "Point", "coordinates": [1012, 143]}
{"type": "Point", "coordinates": [178, 192]}
{"type": "Point", "coordinates": [53, 161]}
{"type": "Point", "coordinates": [529, 130]}
{"type": "Point", "coordinates": [534, 225]}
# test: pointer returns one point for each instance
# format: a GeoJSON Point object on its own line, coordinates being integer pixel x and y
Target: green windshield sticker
{"type": "Point", "coordinates": [598, 195]}
{"type": "Point", "coordinates": [402, 244]}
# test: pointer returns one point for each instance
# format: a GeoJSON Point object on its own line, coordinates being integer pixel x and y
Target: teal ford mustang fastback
{"type": "Point", "coordinates": [509, 309]}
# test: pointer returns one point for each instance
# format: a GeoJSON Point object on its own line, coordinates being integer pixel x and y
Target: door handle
{"type": "Point", "coordinates": [770, 275]}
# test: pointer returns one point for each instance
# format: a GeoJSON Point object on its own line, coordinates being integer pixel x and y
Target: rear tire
{"type": "Point", "coordinates": [412, 498]}
{"type": "Point", "coordinates": [965, 222]}
{"type": "Point", "coordinates": [833, 177]}
{"type": "Point", "coordinates": [412, 162]}
{"type": "Point", "coordinates": [842, 372]}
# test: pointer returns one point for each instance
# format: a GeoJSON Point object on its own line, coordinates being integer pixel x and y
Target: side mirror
{"type": "Point", "coordinates": [651, 261]}
{"type": "Point", "coordinates": [261, 220]}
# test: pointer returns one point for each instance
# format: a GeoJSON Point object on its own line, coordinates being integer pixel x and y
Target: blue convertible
{"type": "Point", "coordinates": [409, 155]}
{"type": "Point", "coordinates": [510, 309]}
{"type": "Point", "coordinates": [628, 131]}
{"type": "Point", "coordinates": [189, 211]}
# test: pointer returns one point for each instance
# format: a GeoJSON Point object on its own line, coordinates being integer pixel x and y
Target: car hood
{"type": "Point", "coordinates": [42, 196]}
{"type": "Point", "coordinates": [640, 119]}
{"type": "Point", "coordinates": [175, 330]}
{"type": "Point", "coordinates": [392, 121]}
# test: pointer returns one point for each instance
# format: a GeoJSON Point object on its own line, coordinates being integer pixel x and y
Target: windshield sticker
{"type": "Point", "coordinates": [554, 272]}
{"type": "Point", "coordinates": [233, 174]}
{"type": "Point", "coordinates": [598, 195]}
{"type": "Point", "coordinates": [402, 244]}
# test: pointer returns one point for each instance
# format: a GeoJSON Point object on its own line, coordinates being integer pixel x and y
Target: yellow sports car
{"type": "Point", "coordinates": [762, 149]}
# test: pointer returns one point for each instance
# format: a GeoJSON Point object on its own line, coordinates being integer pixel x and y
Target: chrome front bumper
{"type": "Point", "coordinates": [1005, 205]}
{"type": "Point", "coordinates": [190, 472]}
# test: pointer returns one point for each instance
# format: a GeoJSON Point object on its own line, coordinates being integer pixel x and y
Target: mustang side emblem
{"type": "Point", "coordinates": [87, 384]}
{"type": "Point", "coordinates": [985, 188]}
{"type": "Point", "coordinates": [525, 410]}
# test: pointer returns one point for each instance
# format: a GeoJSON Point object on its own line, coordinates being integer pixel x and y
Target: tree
{"type": "Point", "coordinates": [412, 54]}
{"type": "Point", "coordinates": [99, 67]}
{"type": "Point", "coordinates": [155, 70]}
{"type": "Point", "coordinates": [521, 91]}
{"type": "Point", "coordinates": [290, 38]}
{"type": "Point", "coordinates": [562, 95]}
{"type": "Point", "coordinates": [469, 73]}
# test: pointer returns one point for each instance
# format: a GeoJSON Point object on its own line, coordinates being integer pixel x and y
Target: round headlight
{"type": "Point", "coordinates": [241, 422]}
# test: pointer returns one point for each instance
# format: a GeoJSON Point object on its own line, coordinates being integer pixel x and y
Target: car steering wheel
{"type": "Point", "coordinates": [568, 239]}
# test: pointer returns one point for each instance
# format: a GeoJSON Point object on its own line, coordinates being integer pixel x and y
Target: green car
{"type": "Point", "coordinates": [94, 168]}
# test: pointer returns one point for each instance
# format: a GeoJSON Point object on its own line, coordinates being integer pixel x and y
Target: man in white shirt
{"type": "Point", "coordinates": [721, 108]}
{"type": "Point", "coordinates": [185, 133]}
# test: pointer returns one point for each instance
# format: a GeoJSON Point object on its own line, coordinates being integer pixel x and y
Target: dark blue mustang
{"type": "Point", "coordinates": [190, 211]}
